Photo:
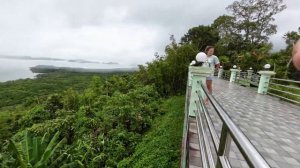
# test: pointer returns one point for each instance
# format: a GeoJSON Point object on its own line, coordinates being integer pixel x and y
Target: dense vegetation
{"type": "Point", "coordinates": [99, 126]}
{"type": "Point", "coordinates": [20, 95]}
{"type": "Point", "coordinates": [90, 120]}
{"type": "Point", "coordinates": [160, 147]}
{"type": "Point", "coordinates": [24, 90]}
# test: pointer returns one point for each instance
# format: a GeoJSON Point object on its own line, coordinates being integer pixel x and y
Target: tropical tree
{"type": "Point", "coordinates": [244, 33]}
{"type": "Point", "coordinates": [291, 37]}
{"type": "Point", "coordinates": [253, 18]}
{"type": "Point", "coordinates": [231, 41]}
{"type": "Point", "coordinates": [70, 100]}
{"type": "Point", "coordinates": [200, 37]}
{"type": "Point", "coordinates": [169, 73]}
{"type": "Point", "coordinates": [255, 58]}
{"type": "Point", "coordinates": [225, 62]}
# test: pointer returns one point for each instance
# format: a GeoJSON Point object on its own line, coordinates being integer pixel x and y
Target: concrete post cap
{"type": "Point", "coordinates": [267, 66]}
{"type": "Point", "coordinates": [267, 73]}
{"type": "Point", "coordinates": [193, 62]}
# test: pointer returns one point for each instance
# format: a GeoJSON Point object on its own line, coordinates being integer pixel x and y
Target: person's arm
{"type": "Point", "coordinates": [217, 63]}
{"type": "Point", "coordinates": [296, 55]}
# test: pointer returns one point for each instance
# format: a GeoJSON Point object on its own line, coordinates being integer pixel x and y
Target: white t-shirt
{"type": "Point", "coordinates": [212, 61]}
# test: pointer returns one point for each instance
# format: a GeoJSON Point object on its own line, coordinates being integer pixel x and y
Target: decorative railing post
{"type": "Point", "coordinates": [233, 73]}
{"type": "Point", "coordinates": [265, 79]}
{"type": "Point", "coordinates": [196, 74]}
{"type": "Point", "coordinates": [220, 73]}
{"type": "Point", "coordinates": [249, 73]}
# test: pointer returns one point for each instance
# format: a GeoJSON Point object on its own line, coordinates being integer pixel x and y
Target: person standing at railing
{"type": "Point", "coordinates": [213, 62]}
{"type": "Point", "coordinates": [296, 55]}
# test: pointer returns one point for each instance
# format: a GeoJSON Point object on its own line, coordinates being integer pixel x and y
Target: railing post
{"type": "Point", "coordinates": [249, 73]}
{"type": "Point", "coordinates": [264, 81]}
{"type": "Point", "coordinates": [220, 73]}
{"type": "Point", "coordinates": [233, 74]}
{"type": "Point", "coordinates": [196, 74]}
{"type": "Point", "coordinates": [189, 79]}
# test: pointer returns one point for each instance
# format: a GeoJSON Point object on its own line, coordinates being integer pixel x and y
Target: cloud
{"type": "Point", "coordinates": [128, 32]}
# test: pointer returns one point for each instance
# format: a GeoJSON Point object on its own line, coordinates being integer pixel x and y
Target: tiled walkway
{"type": "Point", "coordinates": [272, 125]}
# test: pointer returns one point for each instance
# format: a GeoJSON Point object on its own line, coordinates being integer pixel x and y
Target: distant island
{"type": "Point", "coordinates": [50, 68]}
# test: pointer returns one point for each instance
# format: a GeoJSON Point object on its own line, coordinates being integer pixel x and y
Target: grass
{"type": "Point", "coordinates": [289, 90]}
{"type": "Point", "coordinates": [160, 147]}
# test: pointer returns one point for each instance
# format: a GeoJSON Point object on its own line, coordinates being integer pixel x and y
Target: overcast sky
{"type": "Point", "coordinates": [129, 32]}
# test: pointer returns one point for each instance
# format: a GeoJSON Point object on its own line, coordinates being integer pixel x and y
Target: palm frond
{"type": "Point", "coordinates": [17, 153]}
{"type": "Point", "coordinates": [52, 146]}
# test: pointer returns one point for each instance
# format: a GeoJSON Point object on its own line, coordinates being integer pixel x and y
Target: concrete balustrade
{"type": "Point", "coordinates": [265, 76]}
{"type": "Point", "coordinates": [196, 74]}
{"type": "Point", "coordinates": [264, 81]}
{"type": "Point", "coordinates": [249, 73]}
{"type": "Point", "coordinates": [233, 74]}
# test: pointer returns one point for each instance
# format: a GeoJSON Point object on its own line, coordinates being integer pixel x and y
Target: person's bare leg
{"type": "Point", "coordinates": [209, 88]}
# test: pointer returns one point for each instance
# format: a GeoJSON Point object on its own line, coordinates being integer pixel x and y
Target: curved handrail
{"type": "Point", "coordinates": [285, 86]}
{"type": "Point", "coordinates": [249, 152]}
{"type": "Point", "coordinates": [184, 145]}
{"type": "Point", "coordinates": [286, 80]}
{"type": "Point", "coordinates": [289, 93]}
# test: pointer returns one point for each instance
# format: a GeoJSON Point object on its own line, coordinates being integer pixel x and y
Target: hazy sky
{"type": "Point", "coordinates": [129, 32]}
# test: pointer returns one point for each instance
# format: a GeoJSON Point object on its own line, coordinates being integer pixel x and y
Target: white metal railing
{"type": "Point", "coordinates": [243, 78]}
{"type": "Point", "coordinates": [230, 131]}
{"type": "Point", "coordinates": [255, 77]}
{"type": "Point", "coordinates": [185, 142]}
{"type": "Point", "coordinates": [289, 91]}
{"type": "Point", "coordinates": [226, 75]}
